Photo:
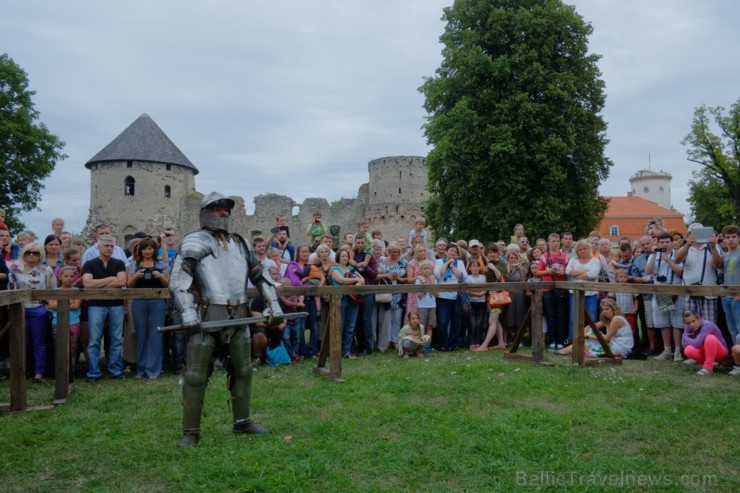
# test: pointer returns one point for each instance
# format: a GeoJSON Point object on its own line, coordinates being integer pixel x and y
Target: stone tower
{"type": "Point", "coordinates": [654, 186]}
{"type": "Point", "coordinates": [137, 182]}
{"type": "Point", "coordinates": [397, 194]}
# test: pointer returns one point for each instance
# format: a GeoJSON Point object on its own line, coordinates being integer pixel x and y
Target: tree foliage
{"type": "Point", "coordinates": [28, 150]}
{"type": "Point", "coordinates": [514, 121]}
{"type": "Point", "coordinates": [714, 193]}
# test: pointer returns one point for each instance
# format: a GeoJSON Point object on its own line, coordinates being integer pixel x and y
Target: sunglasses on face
{"type": "Point", "coordinates": [33, 252]}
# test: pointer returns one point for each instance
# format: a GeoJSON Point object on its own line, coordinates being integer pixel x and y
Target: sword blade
{"type": "Point", "coordinates": [219, 324]}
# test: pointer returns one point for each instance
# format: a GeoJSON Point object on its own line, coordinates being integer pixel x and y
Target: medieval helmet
{"type": "Point", "coordinates": [208, 219]}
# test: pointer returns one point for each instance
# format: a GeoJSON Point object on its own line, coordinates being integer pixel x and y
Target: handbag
{"type": "Point", "coordinates": [463, 302]}
{"type": "Point", "coordinates": [278, 355]}
{"type": "Point", "coordinates": [498, 299]}
{"type": "Point", "coordinates": [665, 302]}
{"type": "Point", "coordinates": [384, 297]}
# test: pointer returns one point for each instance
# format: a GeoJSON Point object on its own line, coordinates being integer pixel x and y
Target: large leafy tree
{"type": "Point", "coordinates": [514, 121]}
{"type": "Point", "coordinates": [714, 193]}
{"type": "Point", "coordinates": [28, 151]}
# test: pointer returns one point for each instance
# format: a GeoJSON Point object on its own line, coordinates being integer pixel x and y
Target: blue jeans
{"type": "Point", "coordinates": [732, 314]}
{"type": "Point", "coordinates": [148, 315]}
{"type": "Point", "coordinates": [349, 319]}
{"type": "Point", "coordinates": [364, 325]}
{"type": "Point", "coordinates": [97, 315]}
{"type": "Point", "coordinates": [291, 336]}
{"type": "Point", "coordinates": [447, 315]}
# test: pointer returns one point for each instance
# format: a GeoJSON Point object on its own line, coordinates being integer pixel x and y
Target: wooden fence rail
{"type": "Point", "coordinates": [331, 345]}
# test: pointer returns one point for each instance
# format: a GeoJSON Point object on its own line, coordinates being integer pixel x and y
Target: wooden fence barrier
{"type": "Point", "coordinates": [331, 348]}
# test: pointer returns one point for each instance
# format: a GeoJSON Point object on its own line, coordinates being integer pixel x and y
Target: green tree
{"type": "Point", "coordinates": [28, 150]}
{"type": "Point", "coordinates": [514, 121]}
{"type": "Point", "coordinates": [714, 194]}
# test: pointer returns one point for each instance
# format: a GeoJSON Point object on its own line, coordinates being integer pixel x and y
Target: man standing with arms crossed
{"type": "Point", "coordinates": [101, 272]}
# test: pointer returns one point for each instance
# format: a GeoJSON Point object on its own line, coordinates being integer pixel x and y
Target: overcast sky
{"type": "Point", "coordinates": [296, 97]}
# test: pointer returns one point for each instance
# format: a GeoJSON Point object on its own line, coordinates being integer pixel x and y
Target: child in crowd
{"type": "Point", "coordinates": [281, 222]}
{"type": "Point", "coordinates": [702, 341]}
{"type": "Point", "coordinates": [426, 304]}
{"type": "Point", "coordinates": [627, 302]}
{"type": "Point", "coordinates": [274, 255]}
{"type": "Point", "coordinates": [316, 229]}
{"type": "Point", "coordinates": [292, 331]}
{"type": "Point", "coordinates": [412, 338]}
{"type": "Point", "coordinates": [419, 230]}
{"type": "Point", "coordinates": [368, 251]}
{"type": "Point", "coordinates": [477, 315]}
{"type": "Point", "coordinates": [71, 258]}
{"type": "Point", "coordinates": [314, 277]}
{"type": "Point", "coordinates": [67, 281]}
{"type": "Point", "coordinates": [23, 238]}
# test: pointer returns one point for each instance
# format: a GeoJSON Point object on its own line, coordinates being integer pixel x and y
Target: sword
{"type": "Point", "coordinates": [216, 325]}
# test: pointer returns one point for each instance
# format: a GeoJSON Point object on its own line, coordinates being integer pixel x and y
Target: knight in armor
{"type": "Point", "coordinates": [208, 282]}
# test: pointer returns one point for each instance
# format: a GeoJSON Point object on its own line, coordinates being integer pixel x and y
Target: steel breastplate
{"type": "Point", "coordinates": [222, 275]}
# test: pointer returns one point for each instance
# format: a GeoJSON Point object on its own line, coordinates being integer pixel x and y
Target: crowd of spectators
{"type": "Point", "coordinates": [677, 328]}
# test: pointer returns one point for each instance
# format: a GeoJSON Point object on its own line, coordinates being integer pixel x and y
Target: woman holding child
{"type": "Point", "coordinates": [341, 275]}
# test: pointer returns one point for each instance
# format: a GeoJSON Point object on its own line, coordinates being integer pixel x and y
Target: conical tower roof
{"type": "Point", "coordinates": [143, 140]}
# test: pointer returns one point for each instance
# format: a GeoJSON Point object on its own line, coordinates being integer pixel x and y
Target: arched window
{"type": "Point", "coordinates": [167, 191]}
{"type": "Point", "coordinates": [130, 186]}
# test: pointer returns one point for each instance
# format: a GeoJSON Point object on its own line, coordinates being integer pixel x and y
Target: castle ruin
{"type": "Point", "coordinates": [141, 181]}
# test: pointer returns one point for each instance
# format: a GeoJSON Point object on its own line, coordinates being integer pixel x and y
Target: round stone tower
{"type": "Point", "coordinates": [397, 194]}
{"type": "Point", "coordinates": [137, 182]}
{"type": "Point", "coordinates": [654, 186]}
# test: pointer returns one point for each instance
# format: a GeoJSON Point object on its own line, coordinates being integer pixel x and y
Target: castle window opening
{"type": "Point", "coordinates": [167, 191]}
{"type": "Point", "coordinates": [129, 186]}
{"type": "Point", "coordinates": [399, 189]}
{"type": "Point", "coordinates": [169, 167]}
{"type": "Point", "coordinates": [396, 208]}
{"type": "Point", "coordinates": [129, 164]}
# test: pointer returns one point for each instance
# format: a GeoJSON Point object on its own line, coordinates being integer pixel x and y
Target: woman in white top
{"type": "Point", "coordinates": [585, 268]}
{"type": "Point", "coordinates": [618, 332]}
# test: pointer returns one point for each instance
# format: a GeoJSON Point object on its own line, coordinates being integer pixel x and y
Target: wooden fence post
{"type": "Point", "coordinates": [62, 373]}
{"type": "Point", "coordinates": [579, 305]}
{"type": "Point", "coordinates": [17, 349]}
{"type": "Point", "coordinates": [538, 355]}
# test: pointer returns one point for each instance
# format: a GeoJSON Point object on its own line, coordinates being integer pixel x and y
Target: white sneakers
{"type": "Point", "coordinates": [665, 355]}
{"type": "Point", "coordinates": [735, 372]}
{"type": "Point", "coordinates": [703, 372]}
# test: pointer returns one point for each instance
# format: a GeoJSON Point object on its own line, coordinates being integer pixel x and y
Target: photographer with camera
{"type": "Point", "coordinates": [700, 256]}
{"type": "Point", "coordinates": [146, 271]}
{"type": "Point", "coordinates": [667, 309]}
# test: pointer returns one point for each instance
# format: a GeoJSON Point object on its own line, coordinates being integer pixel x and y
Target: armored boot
{"type": "Point", "coordinates": [244, 426]}
{"type": "Point", "coordinates": [190, 438]}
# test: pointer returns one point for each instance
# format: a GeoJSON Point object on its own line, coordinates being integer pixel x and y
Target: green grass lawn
{"type": "Point", "coordinates": [452, 422]}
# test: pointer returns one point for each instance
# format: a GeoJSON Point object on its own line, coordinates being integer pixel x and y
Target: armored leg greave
{"type": "Point", "coordinates": [200, 351]}
{"type": "Point", "coordinates": [240, 377]}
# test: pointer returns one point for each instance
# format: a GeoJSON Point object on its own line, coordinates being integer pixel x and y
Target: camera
{"type": "Point", "coordinates": [661, 278]}
{"type": "Point", "coordinates": [657, 250]}
{"type": "Point", "coordinates": [148, 274]}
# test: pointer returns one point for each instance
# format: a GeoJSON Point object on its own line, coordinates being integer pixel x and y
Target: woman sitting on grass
{"type": "Point", "coordinates": [702, 341]}
{"type": "Point", "coordinates": [618, 332]}
{"type": "Point", "coordinates": [411, 337]}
